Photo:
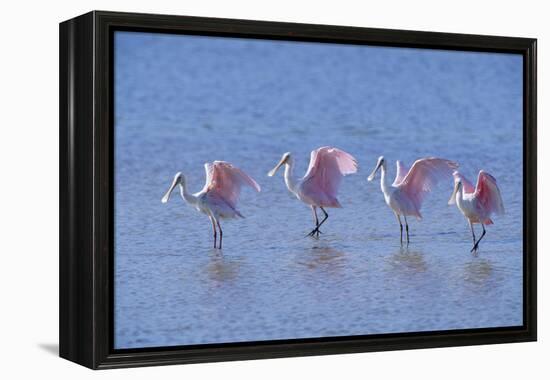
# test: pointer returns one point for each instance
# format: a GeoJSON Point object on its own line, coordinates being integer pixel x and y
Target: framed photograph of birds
{"type": "Point", "coordinates": [236, 189]}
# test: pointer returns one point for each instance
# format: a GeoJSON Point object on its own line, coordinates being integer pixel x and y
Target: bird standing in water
{"type": "Point", "coordinates": [219, 196]}
{"type": "Point", "coordinates": [406, 194]}
{"type": "Point", "coordinates": [319, 186]}
{"type": "Point", "coordinates": [479, 203]}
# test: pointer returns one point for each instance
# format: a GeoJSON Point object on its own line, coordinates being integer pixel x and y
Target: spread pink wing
{"type": "Point", "coordinates": [424, 175]}
{"type": "Point", "coordinates": [402, 171]}
{"type": "Point", "coordinates": [466, 184]}
{"type": "Point", "coordinates": [225, 181]}
{"type": "Point", "coordinates": [488, 193]}
{"type": "Point", "coordinates": [327, 166]}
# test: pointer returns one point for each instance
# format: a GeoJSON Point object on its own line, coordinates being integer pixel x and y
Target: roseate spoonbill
{"type": "Point", "coordinates": [218, 198]}
{"type": "Point", "coordinates": [319, 186]}
{"type": "Point", "coordinates": [477, 204]}
{"type": "Point", "coordinates": [409, 188]}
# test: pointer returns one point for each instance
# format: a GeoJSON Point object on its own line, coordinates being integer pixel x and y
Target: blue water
{"type": "Point", "coordinates": [182, 101]}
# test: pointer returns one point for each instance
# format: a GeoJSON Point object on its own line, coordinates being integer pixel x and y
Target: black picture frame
{"type": "Point", "coordinates": [86, 189]}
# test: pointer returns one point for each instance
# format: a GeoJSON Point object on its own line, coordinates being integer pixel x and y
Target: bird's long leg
{"type": "Point", "coordinates": [407, 228]}
{"type": "Point", "coordinates": [473, 232]}
{"type": "Point", "coordinates": [481, 237]}
{"type": "Point", "coordinates": [318, 225]}
{"type": "Point", "coordinates": [322, 221]}
{"type": "Point", "coordinates": [221, 233]}
{"type": "Point", "coordinates": [214, 230]}
{"type": "Point", "coordinates": [316, 220]}
{"type": "Point", "coordinates": [400, 226]}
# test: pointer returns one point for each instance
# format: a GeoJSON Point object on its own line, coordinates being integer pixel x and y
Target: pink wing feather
{"type": "Point", "coordinates": [424, 175]}
{"type": "Point", "coordinates": [225, 181]}
{"type": "Point", "coordinates": [488, 193]}
{"type": "Point", "coordinates": [327, 166]}
{"type": "Point", "coordinates": [402, 171]}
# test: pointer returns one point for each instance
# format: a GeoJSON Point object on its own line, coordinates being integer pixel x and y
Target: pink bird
{"type": "Point", "coordinates": [409, 188]}
{"type": "Point", "coordinates": [219, 196]}
{"type": "Point", "coordinates": [319, 187]}
{"type": "Point", "coordinates": [477, 204]}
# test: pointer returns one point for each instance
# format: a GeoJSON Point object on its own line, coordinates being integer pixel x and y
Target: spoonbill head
{"type": "Point", "coordinates": [319, 186]}
{"type": "Point", "coordinates": [478, 203]}
{"type": "Point", "coordinates": [219, 196]}
{"type": "Point", "coordinates": [285, 159]}
{"type": "Point", "coordinates": [381, 163]}
{"type": "Point", "coordinates": [179, 179]}
{"type": "Point", "coordinates": [407, 192]}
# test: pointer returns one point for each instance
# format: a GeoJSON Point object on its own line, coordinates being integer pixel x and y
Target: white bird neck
{"type": "Point", "coordinates": [459, 195]}
{"type": "Point", "coordinates": [290, 180]}
{"type": "Point", "coordinates": [384, 184]}
{"type": "Point", "coordinates": [186, 196]}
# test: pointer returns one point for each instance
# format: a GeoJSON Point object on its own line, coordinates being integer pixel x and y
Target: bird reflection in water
{"type": "Point", "coordinates": [323, 258]}
{"type": "Point", "coordinates": [221, 269]}
{"type": "Point", "coordinates": [478, 272]}
{"type": "Point", "coordinates": [410, 261]}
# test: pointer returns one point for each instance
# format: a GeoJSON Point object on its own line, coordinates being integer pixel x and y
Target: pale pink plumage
{"type": "Point", "coordinates": [477, 204]}
{"type": "Point", "coordinates": [224, 182]}
{"type": "Point", "coordinates": [409, 188]}
{"type": "Point", "coordinates": [402, 171]}
{"type": "Point", "coordinates": [488, 194]}
{"type": "Point", "coordinates": [327, 167]}
{"type": "Point", "coordinates": [319, 186]}
{"type": "Point", "coordinates": [419, 181]}
{"type": "Point", "coordinates": [485, 197]}
{"type": "Point", "coordinates": [219, 196]}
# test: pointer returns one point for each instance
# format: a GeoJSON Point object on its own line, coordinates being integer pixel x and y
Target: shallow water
{"type": "Point", "coordinates": [182, 101]}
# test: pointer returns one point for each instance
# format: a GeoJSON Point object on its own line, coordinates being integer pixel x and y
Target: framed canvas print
{"type": "Point", "coordinates": [235, 189]}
